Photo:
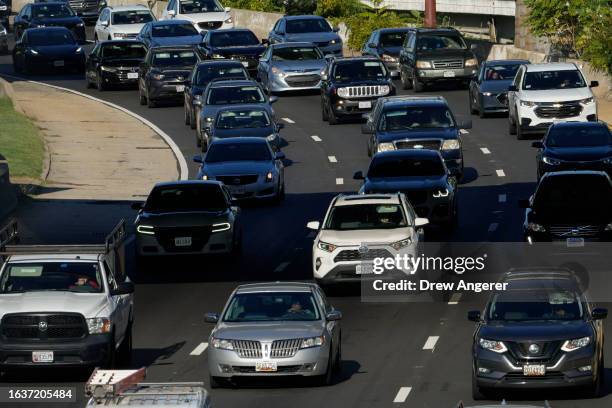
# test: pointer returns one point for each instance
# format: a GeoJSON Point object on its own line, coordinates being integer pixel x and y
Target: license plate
{"type": "Point", "coordinates": [182, 241]}
{"type": "Point", "coordinates": [3, 8]}
{"type": "Point", "coordinates": [365, 105]}
{"type": "Point", "coordinates": [534, 370]}
{"type": "Point", "coordinates": [266, 366]}
{"type": "Point", "coordinates": [132, 75]}
{"type": "Point", "coordinates": [449, 74]}
{"type": "Point", "coordinates": [58, 63]}
{"type": "Point", "coordinates": [245, 64]}
{"type": "Point", "coordinates": [575, 242]}
{"type": "Point", "coordinates": [237, 190]}
{"type": "Point", "coordinates": [42, 356]}
{"type": "Point", "coordinates": [180, 88]}
{"type": "Point", "coordinates": [364, 269]}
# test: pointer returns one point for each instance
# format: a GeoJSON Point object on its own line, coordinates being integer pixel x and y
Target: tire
{"type": "Point", "coordinates": [405, 84]}
{"type": "Point", "coordinates": [192, 122]}
{"type": "Point", "coordinates": [280, 197]}
{"type": "Point", "coordinates": [187, 116]}
{"type": "Point", "coordinates": [338, 361]}
{"type": "Point", "coordinates": [511, 127]}
{"type": "Point", "coordinates": [111, 359]}
{"type": "Point", "coordinates": [204, 146]}
{"type": "Point", "coordinates": [324, 114]}
{"type": "Point", "coordinates": [142, 99]}
{"type": "Point", "coordinates": [237, 245]}
{"type": "Point", "coordinates": [417, 85]}
{"type": "Point", "coordinates": [481, 113]}
{"type": "Point", "coordinates": [96, 38]}
{"type": "Point", "coordinates": [124, 353]}
{"type": "Point", "coordinates": [332, 119]}
{"type": "Point", "coordinates": [99, 83]}
{"type": "Point", "coordinates": [327, 378]}
{"type": "Point", "coordinates": [471, 104]}
{"type": "Point", "coordinates": [595, 390]}
{"type": "Point", "coordinates": [215, 382]}
{"type": "Point", "coordinates": [151, 103]}
{"type": "Point", "coordinates": [519, 132]}
{"type": "Point", "coordinates": [478, 393]}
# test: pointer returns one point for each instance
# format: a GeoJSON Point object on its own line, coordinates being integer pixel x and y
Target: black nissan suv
{"type": "Point", "coordinates": [540, 332]}
{"type": "Point", "coordinates": [351, 86]}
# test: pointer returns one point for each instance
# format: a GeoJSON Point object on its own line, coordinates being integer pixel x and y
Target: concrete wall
{"type": "Point", "coordinates": [487, 7]}
{"type": "Point", "coordinates": [522, 35]}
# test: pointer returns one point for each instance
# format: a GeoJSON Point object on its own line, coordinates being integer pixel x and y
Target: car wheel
{"type": "Point", "coordinates": [478, 393]}
{"type": "Point", "coordinates": [124, 353]}
{"type": "Point", "coordinates": [192, 122]}
{"type": "Point", "coordinates": [481, 112]}
{"type": "Point", "coordinates": [472, 110]}
{"type": "Point", "coordinates": [237, 245]}
{"type": "Point", "coordinates": [595, 390]}
{"type": "Point", "coordinates": [338, 361]}
{"type": "Point", "coordinates": [332, 119]}
{"type": "Point", "coordinates": [203, 145]}
{"type": "Point", "coordinates": [405, 83]}
{"type": "Point", "coordinates": [215, 382]}
{"type": "Point", "coordinates": [511, 128]}
{"type": "Point", "coordinates": [280, 197]}
{"type": "Point", "coordinates": [324, 114]}
{"type": "Point", "coordinates": [100, 83]}
{"type": "Point", "coordinates": [141, 97]}
{"type": "Point", "coordinates": [187, 118]}
{"type": "Point", "coordinates": [111, 359]}
{"type": "Point", "coordinates": [327, 378]}
{"type": "Point", "coordinates": [519, 132]}
{"type": "Point", "coordinates": [96, 38]}
{"type": "Point", "coordinates": [417, 85]}
{"type": "Point", "coordinates": [151, 103]}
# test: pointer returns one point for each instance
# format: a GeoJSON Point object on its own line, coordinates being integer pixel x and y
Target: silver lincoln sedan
{"type": "Point", "coordinates": [275, 329]}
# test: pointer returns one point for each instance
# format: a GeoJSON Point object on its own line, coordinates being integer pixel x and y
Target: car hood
{"type": "Point", "coordinates": [181, 219]}
{"type": "Point", "coordinates": [557, 95]}
{"type": "Point", "coordinates": [449, 133]}
{"type": "Point", "coordinates": [312, 37]}
{"type": "Point", "coordinates": [499, 86]}
{"type": "Point", "coordinates": [56, 21]}
{"type": "Point", "coordinates": [579, 153]}
{"type": "Point", "coordinates": [248, 132]}
{"type": "Point", "coordinates": [205, 17]}
{"type": "Point", "coordinates": [357, 237]}
{"type": "Point", "coordinates": [394, 184]}
{"type": "Point", "coordinates": [237, 168]}
{"type": "Point", "coordinates": [299, 66]}
{"type": "Point", "coordinates": [183, 40]}
{"type": "Point", "coordinates": [127, 28]}
{"type": "Point", "coordinates": [535, 331]}
{"type": "Point", "coordinates": [57, 50]}
{"type": "Point", "coordinates": [268, 331]}
{"type": "Point", "coordinates": [121, 62]}
{"type": "Point", "coordinates": [89, 304]}
{"type": "Point", "coordinates": [444, 54]}
{"type": "Point", "coordinates": [251, 51]}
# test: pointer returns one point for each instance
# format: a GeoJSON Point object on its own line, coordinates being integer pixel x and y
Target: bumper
{"type": "Point", "coordinates": [599, 165]}
{"type": "Point", "coordinates": [117, 79]}
{"type": "Point", "coordinates": [531, 122]}
{"type": "Point", "coordinates": [93, 350]}
{"type": "Point", "coordinates": [217, 243]}
{"type": "Point", "coordinates": [58, 63]}
{"type": "Point", "coordinates": [491, 103]}
{"type": "Point", "coordinates": [169, 91]}
{"type": "Point", "coordinates": [441, 75]}
{"type": "Point", "coordinates": [353, 107]}
{"type": "Point", "coordinates": [531, 236]}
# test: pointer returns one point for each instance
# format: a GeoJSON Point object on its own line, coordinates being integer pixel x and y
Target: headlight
{"type": "Point", "coordinates": [388, 58]}
{"type": "Point", "coordinates": [222, 344]}
{"type": "Point", "coordinates": [493, 345]}
{"type": "Point", "coordinates": [40, 25]}
{"type": "Point", "coordinates": [312, 342]}
{"type": "Point", "coordinates": [98, 325]}
{"type": "Point", "coordinates": [609, 227]}
{"type": "Point", "coordinates": [472, 62]}
{"type": "Point", "coordinates": [197, 100]}
{"type": "Point", "coordinates": [209, 119]}
{"type": "Point", "coordinates": [108, 69]}
{"type": "Point", "coordinates": [487, 94]}
{"type": "Point", "coordinates": [218, 56]}
{"type": "Point", "coordinates": [333, 42]}
{"type": "Point", "coordinates": [441, 193]}
{"type": "Point", "coordinates": [401, 244]}
{"type": "Point", "coordinates": [326, 247]}
{"type": "Point", "coordinates": [3, 31]}
{"type": "Point", "coordinates": [158, 77]}
{"type": "Point", "coordinates": [79, 50]}
{"type": "Point", "coordinates": [451, 144]}
{"type": "Point", "coordinates": [571, 345]}
{"type": "Point", "coordinates": [384, 89]}
{"type": "Point", "coordinates": [271, 138]}
{"type": "Point", "coordinates": [146, 229]}
{"type": "Point", "coordinates": [586, 101]}
{"type": "Point", "coordinates": [423, 64]}
{"type": "Point", "coordinates": [385, 147]}
{"type": "Point", "coordinates": [269, 177]}
{"type": "Point", "coordinates": [33, 52]}
{"type": "Point", "coordinates": [229, 20]}
{"type": "Point", "coordinates": [342, 92]}
{"type": "Point", "coordinates": [528, 103]}
{"type": "Point", "coordinates": [223, 226]}
{"type": "Point", "coordinates": [80, 25]}
{"type": "Point", "coordinates": [607, 160]}
{"type": "Point", "coordinates": [551, 161]}
{"type": "Point", "coordinates": [535, 227]}
{"type": "Point", "coordinates": [278, 72]}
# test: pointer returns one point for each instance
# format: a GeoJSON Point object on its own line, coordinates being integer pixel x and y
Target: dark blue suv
{"type": "Point", "coordinates": [413, 122]}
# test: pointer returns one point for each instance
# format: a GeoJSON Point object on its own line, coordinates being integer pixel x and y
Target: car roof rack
{"type": "Point", "coordinates": [111, 383]}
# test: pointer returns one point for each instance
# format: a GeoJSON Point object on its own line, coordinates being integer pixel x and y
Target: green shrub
{"type": "Point", "coordinates": [362, 24]}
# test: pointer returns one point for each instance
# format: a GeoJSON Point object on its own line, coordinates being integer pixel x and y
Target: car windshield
{"type": "Point", "coordinates": [132, 17]}
{"type": "Point", "coordinates": [574, 194]}
{"type": "Point", "coordinates": [173, 30]}
{"type": "Point", "coordinates": [200, 6]}
{"type": "Point", "coordinates": [127, 50]}
{"type": "Point", "coordinates": [359, 70]}
{"type": "Point", "coordinates": [430, 42]}
{"type": "Point", "coordinates": [416, 118]}
{"type": "Point", "coordinates": [52, 276]}
{"type": "Point", "coordinates": [406, 167]}
{"type": "Point", "coordinates": [185, 198]}
{"type": "Point", "coordinates": [233, 39]}
{"type": "Point", "coordinates": [500, 72]}
{"type": "Point", "coordinates": [231, 95]}
{"type": "Point", "coordinates": [206, 73]}
{"type": "Point", "coordinates": [50, 37]}
{"type": "Point", "coordinates": [565, 79]}
{"type": "Point", "coordinates": [575, 136]}
{"type": "Point", "coordinates": [174, 58]}
{"type": "Point", "coordinates": [51, 11]}
{"type": "Point", "coordinates": [232, 152]}
{"type": "Point", "coordinates": [392, 39]}
{"type": "Point", "coordinates": [535, 304]}
{"type": "Point", "coordinates": [296, 54]}
{"type": "Point", "coordinates": [366, 217]}
{"type": "Point", "coordinates": [307, 25]}
{"type": "Point", "coordinates": [242, 119]}
{"type": "Point", "coordinates": [272, 306]}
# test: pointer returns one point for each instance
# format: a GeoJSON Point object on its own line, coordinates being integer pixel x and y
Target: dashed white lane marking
{"type": "Point", "coordinates": [500, 173]}
{"type": "Point", "coordinates": [332, 159]}
{"type": "Point", "coordinates": [402, 394]}
{"type": "Point", "coordinates": [339, 181]}
{"type": "Point", "coordinates": [502, 198]}
{"type": "Point", "coordinates": [281, 267]}
{"type": "Point", "coordinates": [493, 227]}
{"type": "Point", "coordinates": [484, 150]}
{"type": "Point", "coordinates": [455, 298]}
{"type": "Point", "coordinates": [430, 344]}
{"type": "Point", "coordinates": [316, 138]}
{"type": "Point", "coordinates": [288, 120]}
{"type": "Point", "coordinates": [199, 350]}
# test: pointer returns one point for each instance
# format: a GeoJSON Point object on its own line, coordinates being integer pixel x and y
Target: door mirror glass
{"type": "Point", "coordinates": [333, 316]}
{"type": "Point", "coordinates": [599, 313]}
{"type": "Point", "coordinates": [211, 317]}
{"type": "Point", "coordinates": [123, 288]}
{"type": "Point", "coordinates": [313, 225]}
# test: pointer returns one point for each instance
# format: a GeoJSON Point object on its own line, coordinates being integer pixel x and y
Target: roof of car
{"type": "Point", "coordinates": [351, 59]}
{"type": "Point", "coordinates": [239, 140]}
{"type": "Point", "coordinates": [575, 124]}
{"type": "Point", "coordinates": [128, 7]}
{"type": "Point", "coordinates": [356, 199]}
{"type": "Point", "coordinates": [403, 100]}
{"type": "Point", "coordinates": [292, 44]}
{"type": "Point", "coordinates": [555, 66]}
{"type": "Point", "coordinates": [276, 287]}
{"type": "Point", "coordinates": [63, 257]}
{"type": "Point", "coordinates": [233, 82]}
{"type": "Point", "coordinates": [115, 42]}
{"type": "Point", "coordinates": [49, 3]}
{"type": "Point", "coordinates": [187, 182]}
{"type": "Point", "coordinates": [301, 17]}
{"type": "Point", "coordinates": [437, 30]}
{"type": "Point", "coordinates": [220, 62]}
{"type": "Point", "coordinates": [230, 30]}
{"type": "Point", "coordinates": [424, 153]}
{"type": "Point", "coordinates": [56, 28]}
{"type": "Point", "coordinates": [173, 47]}
{"type": "Point", "coordinates": [169, 22]}
{"type": "Point", "coordinates": [506, 62]}
{"type": "Point", "coordinates": [393, 30]}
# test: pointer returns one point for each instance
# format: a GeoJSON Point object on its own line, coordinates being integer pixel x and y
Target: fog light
{"type": "Point", "coordinates": [225, 368]}
{"type": "Point", "coordinates": [421, 73]}
{"type": "Point", "coordinates": [584, 369]}
{"type": "Point", "coordinates": [318, 264]}
{"type": "Point", "coordinates": [308, 367]}
{"type": "Point", "coordinates": [483, 370]}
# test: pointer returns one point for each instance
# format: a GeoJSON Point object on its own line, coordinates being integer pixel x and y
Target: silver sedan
{"type": "Point", "coordinates": [275, 329]}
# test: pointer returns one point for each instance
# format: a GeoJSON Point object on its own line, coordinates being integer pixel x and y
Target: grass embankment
{"type": "Point", "coordinates": [20, 142]}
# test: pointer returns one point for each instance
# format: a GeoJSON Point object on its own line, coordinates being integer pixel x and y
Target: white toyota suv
{"type": "Point", "coordinates": [121, 22]}
{"type": "Point", "coordinates": [203, 14]}
{"type": "Point", "coordinates": [543, 93]}
{"type": "Point", "coordinates": [357, 229]}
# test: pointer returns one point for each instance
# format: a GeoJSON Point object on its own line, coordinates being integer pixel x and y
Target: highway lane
{"type": "Point", "coordinates": [382, 343]}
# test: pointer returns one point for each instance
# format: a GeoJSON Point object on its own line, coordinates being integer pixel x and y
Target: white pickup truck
{"type": "Point", "coordinates": [64, 306]}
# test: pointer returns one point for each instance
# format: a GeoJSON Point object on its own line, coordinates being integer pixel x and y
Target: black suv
{"type": "Point", "coordinates": [113, 63]}
{"type": "Point", "coordinates": [571, 207]}
{"type": "Point", "coordinates": [416, 122]}
{"type": "Point", "coordinates": [49, 14]}
{"type": "Point", "coordinates": [435, 55]}
{"type": "Point", "coordinates": [351, 86]}
{"type": "Point", "coordinates": [540, 332]}
{"type": "Point", "coordinates": [237, 44]}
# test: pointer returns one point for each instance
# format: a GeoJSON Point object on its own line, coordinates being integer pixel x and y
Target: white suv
{"type": "Point", "coordinates": [122, 22]}
{"type": "Point", "coordinates": [203, 14]}
{"type": "Point", "coordinates": [360, 228]}
{"type": "Point", "coordinates": [544, 93]}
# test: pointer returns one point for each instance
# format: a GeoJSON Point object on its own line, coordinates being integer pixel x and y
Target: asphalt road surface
{"type": "Point", "coordinates": [385, 361]}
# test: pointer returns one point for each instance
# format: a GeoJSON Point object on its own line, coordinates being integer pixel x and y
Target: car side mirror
{"type": "Point", "coordinates": [594, 84]}
{"type": "Point", "coordinates": [313, 225]}
{"type": "Point", "coordinates": [358, 175]}
{"type": "Point", "coordinates": [538, 144]}
{"type": "Point", "coordinates": [211, 317]}
{"type": "Point", "coordinates": [273, 99]}
{"type": "Point", "coordinates": [473, 47]}
{"type": "Point", "coordinates": [279, 156]}
{"type": "Point", "coordinates": [265, 41]}
{"type": "Point", "coordinates": [171, 13]}
{"type": "Point", "coordinates": [280, 126]}
{"type": "Point", "coordinates": [512, 88]}
{"type": "Point", "coordinates": [197, 159]}
{"type": "Point", "coordinates": [474, 315]}
{"type": "Point", "coordinates": [334, 315]}
{"type": "Point", "coordinates": [366, 129]}
{"type": "Point", "coordinates": [105, 23]}
{"type": "Point", "coordinates": [372, 45]}
{"type": "Point", "coordinates": [465, 124]}
{"type": "Point", "coordinates": [599, 313]}
{"type": "Point", "coordinates": [523, 203]}
{"type": "Point", "coordinates": [136, 206]}
{"type": "Point", "coordinates": [421, 222]}
{"type": "Point", "coordinates": [336, 29]}
{"type": "Point", "coordinates": [227, 9]}
{"type": "Point", "coordinates": [123, 288]}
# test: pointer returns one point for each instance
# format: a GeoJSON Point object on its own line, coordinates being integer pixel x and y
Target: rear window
{"type": "Point", "coordinates": [194, 197]}
{"type": "Point", "coordinates": [52, 276]}
{"type": "Point", "coordinates": [406, 167]}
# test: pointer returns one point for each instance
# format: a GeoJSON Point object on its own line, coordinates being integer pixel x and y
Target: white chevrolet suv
{"type": "Point", "coordinates": [357, 229]}
{"type": "Point", "coordinates": [203, 14]}
{"type": "Point", "coordinates": [544, 93]}
{"type": "Point", "coordinates": [122, 22]}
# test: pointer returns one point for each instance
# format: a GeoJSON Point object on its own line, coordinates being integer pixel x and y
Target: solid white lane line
{"type": "Point", "coordinates": [484, 150]}
{"type": "Point", "coordinates": [199, 350]}
{"type": "Point", "coordinates": [339, 181]}
{"type": "Point", "coordinates": [500, 173]}
{"type": "Point", "coordinates": [281, 267]}
{"type": "Point", "coordinates": [332, 159]}
{"type": "Point", "coordinates": [316, 138]}
{"type": "Point", "coordinates": [493, 227]}
{"type": "Point", "coordinates": [455, 298]}
{"type": "Point", "coordinates": [402, 394]}
{"type": "Point", "coordinates": [502, 198]}
{"type": "Point", "coordinates": [288, 120]}
{"type": "Point", "coordinates": [430, 344]}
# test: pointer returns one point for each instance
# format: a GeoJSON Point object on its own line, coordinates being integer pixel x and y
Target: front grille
{"type": "Point", "coordinates": [43, 326]}
{"type": "Point", "coordinates": [519, 376]}
{"type": "Point", "coordinates": [568, 231]}
{"type": "Point", "coordinates": [279, 369]}
{"type": "Point", "coordinates": [166, 237]}
{"type": "Point", "coordinates": [122, 72]}
{"type": "Point", "coordinates": [303, 80]}
{"type": "Point", "coordinates": [285, 348]}
{"type": "Point", "coordinates": [558, 110]}
{"type": "Point", "coordinates": [417, 197]}
{"type": "Point", "coordinates": [418, 144]}
{"type": "Point", "coordinates": [348, 255]}
{"type": "Point", "coordinates": [247, 348]}
{"type": "Point", "coordinates": [83, 5]}
{"type": "Point", "coordinates": [365, 91]}
{"type": "Point", "coordinates": [237, 180]}
{"type": "Point", "coordinates": [441, 64]}
{"type": "Point", "coordinates": [210, 25]}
